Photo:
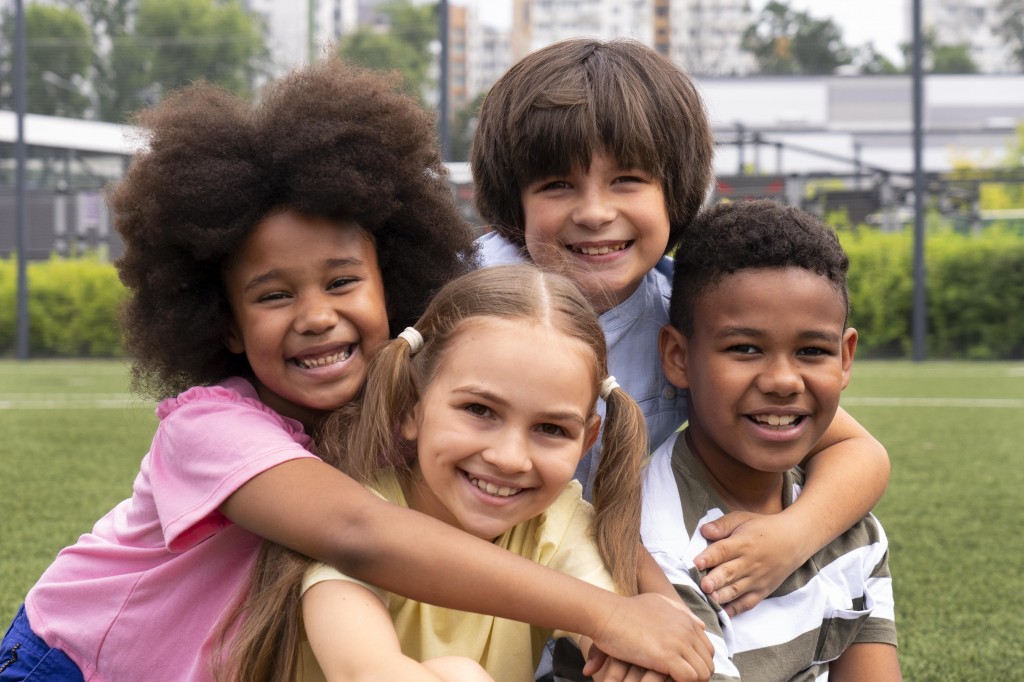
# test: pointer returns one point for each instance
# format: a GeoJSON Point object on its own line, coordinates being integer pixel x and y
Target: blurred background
{"type": "Point", "coordinates": [812, 103]}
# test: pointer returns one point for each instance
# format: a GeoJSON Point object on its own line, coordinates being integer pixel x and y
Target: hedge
{"type": "Point", "coordinates": [974, 292]}
{"type": "Point", "coordinates": [73, 307]}
{"type": "Point", "coordinates": [975, 297]}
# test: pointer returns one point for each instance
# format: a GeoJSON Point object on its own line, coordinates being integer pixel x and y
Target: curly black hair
{"type": "Point", "coordinates": [761, 233]}
{"type": "Point", "coordinates": [557, 107]}
{"type": "Point", "coordinates": [327, 140]}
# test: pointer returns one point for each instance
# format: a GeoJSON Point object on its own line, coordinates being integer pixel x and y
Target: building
{"type": "Point", "coordinates": [536, 23]}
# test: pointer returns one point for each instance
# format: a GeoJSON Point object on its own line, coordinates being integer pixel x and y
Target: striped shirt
{"type": "Point", "coordinates": [841, 596]}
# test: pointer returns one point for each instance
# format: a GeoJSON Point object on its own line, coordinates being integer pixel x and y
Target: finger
{"type": "Point", "coordinates": [616, 671]}
{"type": "Point", "coordinates": [742, 604]}
{"type": "Point", "coordinates": [726, 525]}
{"type": "Point", "coordinates": [595, 661]}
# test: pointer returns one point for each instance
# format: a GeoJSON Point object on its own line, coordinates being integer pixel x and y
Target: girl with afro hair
{"type": "Point", "coordinates": [270, 249]}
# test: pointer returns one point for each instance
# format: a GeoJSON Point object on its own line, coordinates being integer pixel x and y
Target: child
{"type": "Point", "coordinates": [269, 249]}
{"type": "Point", "coordinates": [591, 158]}
{"type": "Point", "coordinates": [464, 420]}
{"type": "Point", "coordinates": [758, 337]}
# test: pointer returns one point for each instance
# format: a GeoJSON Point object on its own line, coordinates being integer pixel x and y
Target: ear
{"type": "Point", "coordinates": [410, 425]}
{"type": "Point", "coordinates": [592, 430]}
{"type": "Point", "coordinates": [672, 344]}
{"type": "Point", "coordinates": [849, 348]}
{"type": "Point", "coordinates": [233, 339]}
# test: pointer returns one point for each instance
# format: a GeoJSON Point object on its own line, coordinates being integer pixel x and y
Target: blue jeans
{"type": "Point", "coordinates": [25, 657]}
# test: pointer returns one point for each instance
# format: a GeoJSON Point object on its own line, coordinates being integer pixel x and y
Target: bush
{"type": "Point", "coordinates": [974, 299]}
{"type": "Point", "coordinates": [73, 307]}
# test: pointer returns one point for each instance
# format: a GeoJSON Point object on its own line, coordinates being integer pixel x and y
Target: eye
{"type": "Point", "coordinates": [272, 296]}
{"type": "Point", "coordinates": [552, 430]}
{"type": "Point", "coordinates": [340, 282]}
{"type": "Point", "coordinates": [553, 185]}
{"type": "Point", "coordinates": [477, 409]}
{"type": "Point", "coordinates": [744, 349]}
{"type": "Point", "coordinates": [814, 352]}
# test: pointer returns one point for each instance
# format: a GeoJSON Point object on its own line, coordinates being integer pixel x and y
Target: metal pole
{"type": "Point", "coordinates": [442, 85]}
{"type": "Point", "coordinates": [919, 319]}
{"type": "Point", "coordinates": [21, 198]}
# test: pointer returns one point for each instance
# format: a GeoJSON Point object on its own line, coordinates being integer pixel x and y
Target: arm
{"type": "Point", "coordinates": [312, 508]}
{"type": "Point", "coordinates": [866, 662]}
{"type": "Point", "coordinates": [652, 580]}
{"type": "Point", "coordinates": [352, 637]}
{"type": "Point", "coordinates": [751, 554]}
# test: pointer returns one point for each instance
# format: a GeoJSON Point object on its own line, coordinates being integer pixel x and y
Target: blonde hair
{"type": "Point", "coordinates": [363, 438]}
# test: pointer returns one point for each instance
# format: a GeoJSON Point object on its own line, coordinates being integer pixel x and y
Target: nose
{"type": "Point", "coordinates": [509, 452]}
{"type": "Point", "coordinates": [593, 210]}
{"type": "Point", "coordinates": [316, 314]}
{"type": "Point", "coordinates": [780, 377]}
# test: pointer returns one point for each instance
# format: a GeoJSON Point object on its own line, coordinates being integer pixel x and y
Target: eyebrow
{"type": "Point", "coordinates": [270, 275]}
{"type": "Point", "coordinates": [751, 332]}
{"type": "Point", "coordinates": [484, 394]}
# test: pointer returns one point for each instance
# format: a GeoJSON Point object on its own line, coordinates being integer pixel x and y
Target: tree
{"type": "Point", "coordinates": [1010, 28]}
{"type": "Point", "coordinates": [940, 57]}
{"type": "Point", "coordinates": [176, 42]}
{"type": "Point", "coordinates": [59, 51]}
{"type": "Point", "coordinates": [872, 62]}
{"type": "Point", "coordinates": [785, 41]}
{"type": "Point", "coordinates": [404, 45]}
{"type": "Point", "coordinates": [108, 20]}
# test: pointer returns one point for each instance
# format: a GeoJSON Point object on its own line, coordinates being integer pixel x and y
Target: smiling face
{"type": "Point", "coordinates": [500, 428]}
{"type": "Point", "coordinates": [309, 312]}
{"type": "Point", "coordinates": [765, 365]}
{"type": "Point", "coordinates": [605, 227]}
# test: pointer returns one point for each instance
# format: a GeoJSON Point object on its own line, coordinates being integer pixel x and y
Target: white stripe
{"type": "Point", "coordinates": [781, 619]}
{"type": "Point", "coordinates": [1013, 403]}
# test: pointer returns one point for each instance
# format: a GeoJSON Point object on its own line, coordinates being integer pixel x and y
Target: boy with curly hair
{"type": "Point", "coordinates": [759, 340]}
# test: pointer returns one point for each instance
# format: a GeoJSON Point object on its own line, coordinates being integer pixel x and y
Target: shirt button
{"type": "Point", "coordinates": [669, 393]}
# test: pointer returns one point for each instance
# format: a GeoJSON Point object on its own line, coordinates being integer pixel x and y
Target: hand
{"type": "Point", "coordinates": [655, 633]}
{"type": "Point", "coordinates": [619, 671]}
{"type": "Point", "coordinates": [750, 555]}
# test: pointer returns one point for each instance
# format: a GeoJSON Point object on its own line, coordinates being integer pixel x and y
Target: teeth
{"type": "Point", "coordinates": [599, 250]}
{"type": "Point", "coordinates": [492, 489]}
{"type": "Point", "coordinates": [775, 419]}
{"type": "Point", "coordinates": [310, 363]}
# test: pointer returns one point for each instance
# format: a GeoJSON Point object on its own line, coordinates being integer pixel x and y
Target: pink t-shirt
{"type": "Point", "coordinates": [140, 597]}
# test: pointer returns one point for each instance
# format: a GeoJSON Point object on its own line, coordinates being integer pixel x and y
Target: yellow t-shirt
{"type": "Point", "coordinates": [559, 538]}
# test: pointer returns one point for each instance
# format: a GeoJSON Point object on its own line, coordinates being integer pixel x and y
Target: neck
{"type": "Point", "coordinates": [739, 486]}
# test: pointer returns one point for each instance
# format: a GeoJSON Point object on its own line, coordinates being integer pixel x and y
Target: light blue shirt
{"type": "Point", "coordinates": [631, 330]}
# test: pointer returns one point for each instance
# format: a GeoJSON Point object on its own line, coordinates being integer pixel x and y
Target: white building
{"type": "Point", "coordinates": [536, 23]}
{"type": "Point", "coordinates": [705, 36]}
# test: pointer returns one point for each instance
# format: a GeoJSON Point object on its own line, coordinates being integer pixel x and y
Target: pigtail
{"type": "Point", "coordinates": [366, 431]}
{"type": "Point", "coordinates": [260, 641]}
{"type": "Point", "coordinates": [617, 490]}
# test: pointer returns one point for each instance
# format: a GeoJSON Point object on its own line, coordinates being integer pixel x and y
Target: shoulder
{"type": "Point", "coordinates": [233, 403]}
{"type": "Point", "coordinates": [494, 249]}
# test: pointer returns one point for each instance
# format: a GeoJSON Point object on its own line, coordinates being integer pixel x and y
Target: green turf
{"type": "Point", "coordinates": [953, 511]}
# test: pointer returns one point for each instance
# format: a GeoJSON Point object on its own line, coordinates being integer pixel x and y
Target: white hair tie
{"type": "Point", "coordinates": [607, 386]}
{"type": "Point", "coordinates": [413, 338]}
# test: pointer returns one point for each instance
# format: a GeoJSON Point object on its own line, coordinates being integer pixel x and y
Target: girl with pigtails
{"type": "Point", "coordinates": [477, 416]}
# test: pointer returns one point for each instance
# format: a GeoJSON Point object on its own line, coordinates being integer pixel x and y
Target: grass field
{"type": "Point", "coordinates": [71, 440]}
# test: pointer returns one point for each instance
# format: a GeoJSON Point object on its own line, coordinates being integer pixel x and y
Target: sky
{"type": "Point", "coordinates": [878, 21]}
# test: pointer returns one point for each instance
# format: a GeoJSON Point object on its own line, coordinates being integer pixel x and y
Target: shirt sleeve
{"type": "Point", "coordinates": [212, 443]}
